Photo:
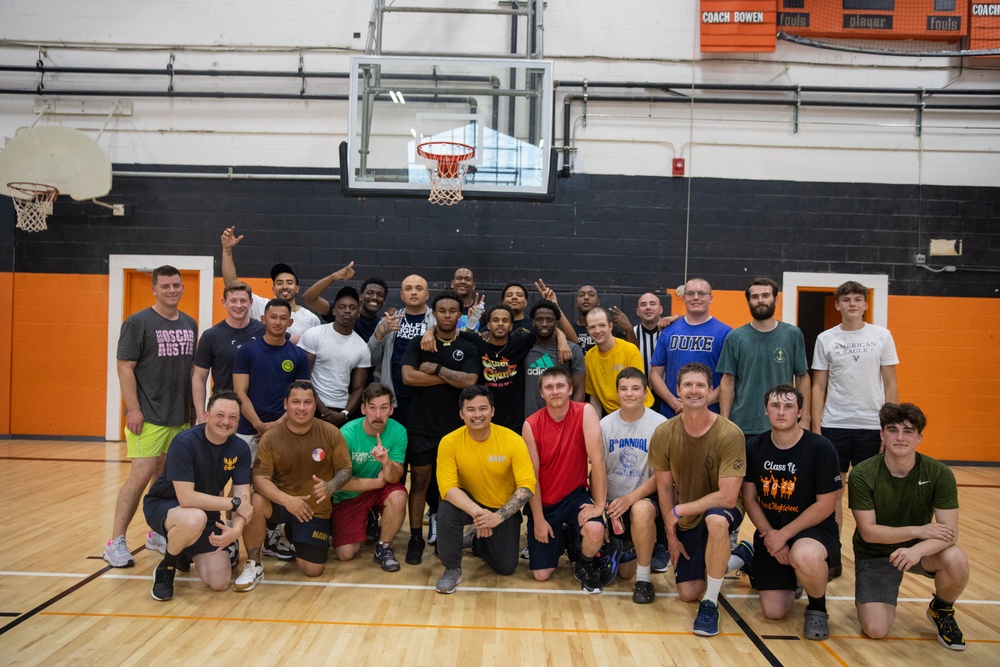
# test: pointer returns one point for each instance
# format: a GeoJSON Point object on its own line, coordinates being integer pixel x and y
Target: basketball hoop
{"type": "Point", "coordinates": [448, 162]}
{"type": "Point", "coordinates": [33, 203]}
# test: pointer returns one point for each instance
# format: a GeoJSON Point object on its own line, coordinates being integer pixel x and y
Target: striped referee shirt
{"type": "Point", "coordinates": [647, 343]}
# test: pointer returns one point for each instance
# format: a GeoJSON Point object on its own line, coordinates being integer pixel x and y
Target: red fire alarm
{"type": "Point", "coordinates": [678, 166]}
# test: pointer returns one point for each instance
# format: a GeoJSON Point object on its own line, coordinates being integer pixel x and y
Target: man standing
{"type": "Point", "coordinates": [339, 359]}
{"type": "Point", "coordinates": [586, 300]}
{"type": "Point", "coordinates": [286, 286]}
{"type": "Point", "coordinates": [854, 373]}
{"type": "Point", "coordinates": [437, 379]}
{"type": "Point", "coordinates": [906, 508]}
{"type": "Point", "coordinates": [515, 297]}
{"type": "Point", "coordinates": [378, 448]}
{"type": "Point", "coordinates": [789, 493]}
{"type": "Point", "coordinates": [562, 438]}
{"type": "Point", "coordinates": [647, 331]}
{"type": "Point", "coordinates": [545, 316]}
{"type": "Point", "coordinates": [699, 461]}
{"type": "Point", "coordinates": [606, 360]}
{"type": "Point", "coordinates": [392, 337]}
{"type": "Point", "coordinates": [155, 351]}
{"type": "Point", "coordinates": [218, 345]}
{"type": "Point", "coordinates": [464, 285]}
{"type": "Point", "coordinates": [373, 294]}
{"type": "Point", "coordinates": [632, 502]}
{"type": "Point", "coordinates": [295, 459]}
{"type": "Point", "coordinates": [485, 477]}
{"type": "Point", "coordinates": [696, 337]}
{"type": "Point", "coordinates": [185, 503]}
{"type": "Point", "coordinates": [758, 356]}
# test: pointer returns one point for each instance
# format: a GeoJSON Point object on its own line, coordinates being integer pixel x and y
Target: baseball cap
{"type": "Point", "coordinates": [347, 291]}
{"type": "Point", "coordinates": [282, 268]}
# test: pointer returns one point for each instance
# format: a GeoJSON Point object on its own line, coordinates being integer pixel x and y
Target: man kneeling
{"type": "Point", "coordinates": [790, 493]}
{"type": "Point", "coordinates": [185, 503]}
{"type": "Point", "coordinates": [300, 463]}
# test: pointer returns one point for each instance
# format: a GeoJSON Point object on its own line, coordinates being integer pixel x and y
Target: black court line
{"type": "Point", "coordinates": [787, 638]}
{"type": "Point", "coordinates": [751, 635]}
{"type": "Point", "coordinates": [44, 458]}
{"type": "Point", "coordinates": [10, 613]}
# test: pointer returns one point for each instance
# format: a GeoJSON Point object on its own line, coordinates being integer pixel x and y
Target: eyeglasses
{"type": "Point", "coordinates": [701, 294]}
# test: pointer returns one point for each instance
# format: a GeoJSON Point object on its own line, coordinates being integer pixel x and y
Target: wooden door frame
{"type": "Point", "coordinates": [117, 266]}
{"type": "Point", "coordinates": [792, 282]}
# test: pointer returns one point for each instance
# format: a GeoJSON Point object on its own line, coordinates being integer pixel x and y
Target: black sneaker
{"type": "Point", "coordinates": [372, 529]}
{"type": "Point", "coordinates": [643, 593]}
{"type": "Point", "coordinates": [277, 546]}
{"type": "Point", "coordinates": [163, 582]}
{"type": "Point", "coordinates": [949, 634]}
{"type": "Point", "coordinates": [591, 577]}
{"type": "Point", "coordinates": [415, 550]}
{"type": "Point", "coordinates": [386, 559]}
{"type": "Point", "coordinates": [607, 561]}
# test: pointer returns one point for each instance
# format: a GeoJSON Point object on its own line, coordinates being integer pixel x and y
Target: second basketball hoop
{"type": "Point", "coordinates": [447, 163]}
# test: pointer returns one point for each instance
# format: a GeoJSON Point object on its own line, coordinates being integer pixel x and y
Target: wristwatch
{"type": "Point", "coordinates": [346, 413]}
{"type": "Point", "coordinates": [236, 504]}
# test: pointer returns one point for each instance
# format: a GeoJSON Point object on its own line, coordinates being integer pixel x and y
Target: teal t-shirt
{"type": "Point", "coordinates": [360, 445]}
{"type": "Point", "coordinates": [906, 501]}
{"type": "Point", "coordinates": [759, 361]}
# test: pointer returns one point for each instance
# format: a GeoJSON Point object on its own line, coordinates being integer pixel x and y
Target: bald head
{"type": "Point", "coordinates": [649, 309]}
{"type": "Point", "coordinates": [414, 294]}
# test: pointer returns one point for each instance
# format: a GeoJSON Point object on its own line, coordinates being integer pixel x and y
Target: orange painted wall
{"type": "Point", "coordinates": [261, 286]}
{"type": "Point", "coordinates": [6, 307]}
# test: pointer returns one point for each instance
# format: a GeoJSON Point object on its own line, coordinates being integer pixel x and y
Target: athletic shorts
{"type": "Point", "coordinates": [878, 580]}
{"type": "Point", "coordinates": [627, 517]}
{"type": "Point", "coordinates": [153, 441]}
{"type": "Point", "coordinates": [156, 509]}
{"type": "Point", "coordinates": [695, 540]}
{"type": "Point", "coordinates": [767, 574]}
{"type": "Point", "coordinates": [422, 450]}
{"type": "Point", "coordinates": [311, 538]}
{"type": "Point", "coordinates": [350, 517]}
{"type": "Point", "coordinates": [854, 445]}
{"type": "Point", "coordinates": [565, 512]}
{"type": "Point", "coordinates": [251, 440]}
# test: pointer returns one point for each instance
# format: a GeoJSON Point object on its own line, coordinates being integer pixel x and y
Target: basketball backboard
{"type": "Point", "coordinates": [62, 157]}
{"type": "Point", "coordinates": [500, 107]}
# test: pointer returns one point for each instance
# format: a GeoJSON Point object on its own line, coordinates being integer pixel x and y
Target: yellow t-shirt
{"type": "Point", "coordinates": [489, 471]}
{"type": "Point", "coordinates": [603, 369]}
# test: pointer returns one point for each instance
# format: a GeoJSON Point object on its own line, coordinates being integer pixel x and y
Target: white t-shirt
{"type": "Point", "coordinates": [626, 449]}
{"type": "Point", "coordinates": [337, 356]}
{"type": "Point", "coordinates": [303, 319]}
{"type": "Point", "coordinates": [854, 360]}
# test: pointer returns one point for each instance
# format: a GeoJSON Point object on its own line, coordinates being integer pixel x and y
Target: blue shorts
{"type": "Point", "coordinates": [156, 509]}
{"type": "Point", "coordinates": [565, 512]}
{"type": "Point", "coordinates": [695, 540]}
{"type": "Point", "coordinates": [311, 538]}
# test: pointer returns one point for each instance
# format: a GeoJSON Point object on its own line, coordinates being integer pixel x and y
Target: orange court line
{"type": "Point", "coordinates": [912, 639]}
{"type": "Point", "coordinates": [833, 654]}
{"type": "Point", "coordinates": [364, 624]}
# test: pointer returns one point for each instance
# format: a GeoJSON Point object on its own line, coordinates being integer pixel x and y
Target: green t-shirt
{"type": "Point", "coordinates": [360, 445]}
{"type": "Point", "coordinates": [906, 501]}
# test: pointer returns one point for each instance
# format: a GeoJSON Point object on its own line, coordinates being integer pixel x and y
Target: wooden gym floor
{"type": "Point", "coordinates": [60, 604]}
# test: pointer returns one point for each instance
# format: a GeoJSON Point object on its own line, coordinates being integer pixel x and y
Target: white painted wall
{"type": "Point", "coordinates": [642, 40]}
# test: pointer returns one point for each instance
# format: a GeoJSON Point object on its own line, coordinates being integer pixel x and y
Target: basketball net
{"type": "Point", "coordinates": [447, 164]}
{"type": "Point", "coordinates": [33, 204]}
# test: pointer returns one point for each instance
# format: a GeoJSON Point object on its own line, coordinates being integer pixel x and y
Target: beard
{"type": "Point", "coordinates": [763, 311]}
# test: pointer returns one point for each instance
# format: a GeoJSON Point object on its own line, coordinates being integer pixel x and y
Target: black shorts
{"type": "Point", "coordinates": [311, 538]}
{"type": "Point", "coordinates": [854, 445]}
{"type": "Point", "coordinates": [565, 512]}
{"type": "Point", "coordinates": [156, 509]}
{"type": "Point", "coordinates": [627, 517]}
{"type": "Point", "coordinates": [767, 574]}
{"type": "Point", "coordinates": [695, 540]}
{"type": "Point", "coordinates": [422, 450]}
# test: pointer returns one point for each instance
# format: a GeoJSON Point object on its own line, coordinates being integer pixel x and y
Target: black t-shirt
{"type": "Point", "coordinates": [522, 325]}
{"type": "Point", "coordinates": [217, 349]}
{"type": "Point", "coordinates": [788, 480]}
{"type": "Point", "coordinates": [192, 458]}
{"type": "Point", "coordinates": [434, 409]}
{"type": "Point", "coordinates": [501, 368]}
{"type": "Point", "coordinates": [584, 340]}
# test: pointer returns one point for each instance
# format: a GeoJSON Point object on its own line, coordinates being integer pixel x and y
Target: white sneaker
{"type": "Point", "coordinates": [156, 542]}
{"type": "Point", "coordinates": [117, 553]}
{"type": "Point", "coordinates": [432, 529]}
{"type": "Point", "coordinates": [251, 575]}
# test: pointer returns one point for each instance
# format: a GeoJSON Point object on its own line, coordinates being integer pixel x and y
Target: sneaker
{"type": "Point", "coordinates": [449, 581]}
{"type": "Point", "coordinates": [117, 553]}
{"type": "Point", "coordinates": [524, 554]}
{"type": "Point", "coordinates": [590, 576]}
{"type": "Point", "coordinates": [949, 634]}
{"type": "Point", "coordinates": [277, 546]}
{"type": "Point", "coordinates": [706, 624]}
{"type": "Point", "coordinates": [156, 542]}
{"type": "Point", "coordinates": [816, 625]}
{"type": "Point", "coordinates": [234, 554]}
{"type": "Point", "coordinates": [372, 528]}
{"type": "Point", "coordinates": [163, 582]}
{"type": "Point", "coordinates": [643, 593]}
{"type": "Point", "coordinates": [608, 559]}
{"type": "Point", "coordinates": [734, 539]}
{"type": "Point", "coordinates": [182, 563]}
{"type": "Point", "coordinates": [415, 550]}
{"type": "Point", "coordinates": [744, 551]}
{"type": "Point", "coordinates": [661, 559]}
{"type": "Point", "coordinates": [469, 538]}
{"type": "Point", "coordinates": [628, 553]}
{"type": "Point", "coordinates": [386, 558]}
{"type": "Point", "coordinates": [432, 529]}
{"type": "Point", "coordinates": [251, 575]}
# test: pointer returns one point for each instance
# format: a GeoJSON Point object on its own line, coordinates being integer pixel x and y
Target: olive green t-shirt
{"type": "Point", "coordinates": [906, 501]}
{"type": "Point", "coordinates": [697, 464]}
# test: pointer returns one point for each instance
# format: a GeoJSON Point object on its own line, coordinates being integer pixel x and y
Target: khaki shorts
{"type": "Point", "coordinates": [152, 442]}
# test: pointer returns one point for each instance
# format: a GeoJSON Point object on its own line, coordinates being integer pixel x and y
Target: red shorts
{"type": "Point", "coordinates": [350, 516]}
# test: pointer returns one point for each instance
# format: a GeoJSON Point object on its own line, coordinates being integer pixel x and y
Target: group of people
{"type": "Point", "coordinates": [629, 448]}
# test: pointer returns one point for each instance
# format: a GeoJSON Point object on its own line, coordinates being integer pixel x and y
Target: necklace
{"type": "Point", "coordinates": [448, 341]}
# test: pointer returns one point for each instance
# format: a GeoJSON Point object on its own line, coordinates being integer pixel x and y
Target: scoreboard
{"type": "Point", "coordinates": [925, 20]}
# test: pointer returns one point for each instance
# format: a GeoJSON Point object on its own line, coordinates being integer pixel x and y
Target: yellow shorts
{"type": "Point", "coordinates": [153, 441]}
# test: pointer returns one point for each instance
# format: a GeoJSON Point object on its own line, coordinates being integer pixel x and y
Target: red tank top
{"type": "Point", "coordinates": [562, 452]}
